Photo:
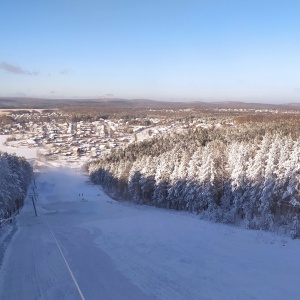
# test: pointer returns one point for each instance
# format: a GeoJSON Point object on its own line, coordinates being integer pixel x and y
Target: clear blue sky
{"type": "Point", "coordinates": [244, 50]}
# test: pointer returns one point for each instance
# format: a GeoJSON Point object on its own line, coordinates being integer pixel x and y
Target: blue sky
{"type": "Point", "coordinates": [165, 50]}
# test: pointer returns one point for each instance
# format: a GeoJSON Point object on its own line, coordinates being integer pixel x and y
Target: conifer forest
{"type": "Point", "coordinates": [15, 176]}
{"type": "Point", "coordinates": [247, 175]}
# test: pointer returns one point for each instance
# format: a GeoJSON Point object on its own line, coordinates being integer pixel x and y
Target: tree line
{"type": "Point", "coordinates": [15, 177]}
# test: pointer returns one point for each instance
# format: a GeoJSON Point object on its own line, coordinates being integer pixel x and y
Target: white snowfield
{"type": "Point", "coordinates": [28, 153]}
{"type": "Point", "coordinates": [121, 251]}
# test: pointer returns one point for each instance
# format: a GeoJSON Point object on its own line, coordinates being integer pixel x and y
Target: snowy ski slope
{"type": "Point", "coordinates": [122, 251]}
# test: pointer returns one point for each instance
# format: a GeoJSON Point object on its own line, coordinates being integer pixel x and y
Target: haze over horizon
{"type": "Point", "coordinates": [160, 50]}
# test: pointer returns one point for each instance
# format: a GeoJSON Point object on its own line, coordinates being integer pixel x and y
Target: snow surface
{"type": "Point", "coordinates": [28, 153]}
{"type": "Point", "coordinates": [123, 251]}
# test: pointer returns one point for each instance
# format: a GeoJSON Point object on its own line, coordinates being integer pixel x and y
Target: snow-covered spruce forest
{"type": "Point", "coordinates": [247, 175]}
{"type": "Point", "coordinates": [15, 177]}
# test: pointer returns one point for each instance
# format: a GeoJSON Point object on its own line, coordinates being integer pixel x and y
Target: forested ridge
{"type": "Point", "coordinates": [248, 174]}
{"type": "Point", "coordinates": [15, 177]}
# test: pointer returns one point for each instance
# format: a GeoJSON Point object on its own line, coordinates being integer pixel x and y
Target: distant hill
{"type": "Point", "coordinates": [41, 103]}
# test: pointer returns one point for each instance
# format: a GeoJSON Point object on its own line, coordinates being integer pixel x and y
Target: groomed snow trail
{"type": "Point", "coordinates": [121, 251]}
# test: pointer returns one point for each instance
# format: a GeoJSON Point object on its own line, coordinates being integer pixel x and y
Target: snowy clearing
{"type": "Point", "coordinates": [28, 153]}
{"type": "Point", "coordinates": [122, 251]}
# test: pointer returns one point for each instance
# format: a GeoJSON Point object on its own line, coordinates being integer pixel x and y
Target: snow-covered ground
{"type": "Point", "coordinates": [123, 251]}
{"type": "Point", "coordinates": [28, 153]}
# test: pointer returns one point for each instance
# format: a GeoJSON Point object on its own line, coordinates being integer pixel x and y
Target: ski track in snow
{"type": "Point", "coordinates": [122, 251]}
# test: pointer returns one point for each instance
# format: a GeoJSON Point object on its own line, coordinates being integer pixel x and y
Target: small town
{"type": "Point", "coordinates": [55, 134]}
